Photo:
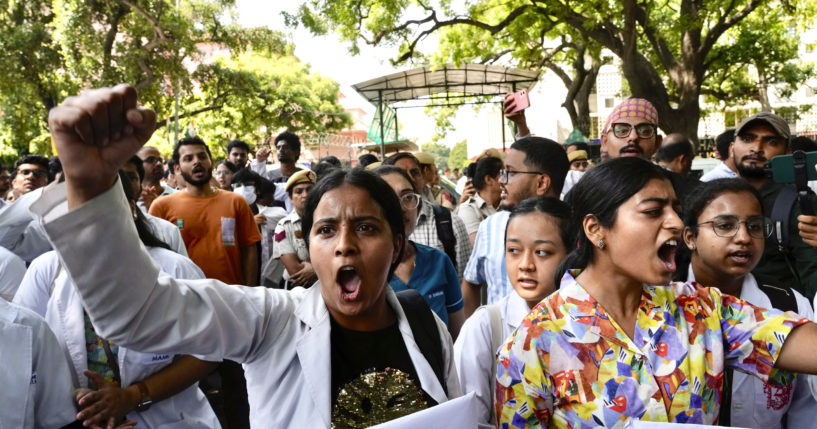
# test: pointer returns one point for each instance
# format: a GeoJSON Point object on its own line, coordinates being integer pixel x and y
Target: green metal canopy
{"type": "Point", "coordinates": [425, 83]}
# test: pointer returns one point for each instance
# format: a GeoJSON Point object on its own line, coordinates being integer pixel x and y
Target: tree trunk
{"type": "Point", "coordinates": [763, 90]}
{"type": "Point", "coordinates": [645, 83]}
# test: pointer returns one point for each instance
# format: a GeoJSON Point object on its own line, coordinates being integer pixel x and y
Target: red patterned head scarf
{"type": "Point", "coordinates": [630, 108]}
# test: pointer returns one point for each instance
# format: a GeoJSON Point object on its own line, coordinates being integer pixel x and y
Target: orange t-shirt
{"type": "Point", "coordinates": [214, 229]}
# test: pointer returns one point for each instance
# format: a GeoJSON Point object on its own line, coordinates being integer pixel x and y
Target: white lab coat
{"type": "Point", "coordinates": [281, 337]}
{"type": "Point", "coordinates": [752, 403]}
{"type": "Point", "coordinates": [167, 232]}
{"type": "Point", "coordinates": [472, 351]}
{"type": "Point", "coordinates": [20, 232]}
{"type": "Point", "coordinates": [63, 311]}
{"type": "Point", "coordinates": [36, 388]}
{"type": "Point", "coordinates": [12, 270]}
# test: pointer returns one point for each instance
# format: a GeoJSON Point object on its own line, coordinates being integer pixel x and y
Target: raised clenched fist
{"type": "Point", "coordinates": [95, 133]}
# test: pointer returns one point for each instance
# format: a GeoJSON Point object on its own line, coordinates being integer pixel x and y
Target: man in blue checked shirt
{"type": "Point", "coordinates": [535, 166]}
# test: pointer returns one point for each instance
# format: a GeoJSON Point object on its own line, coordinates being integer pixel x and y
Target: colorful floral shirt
{"type": "Point", "coordinates": [570, 365]}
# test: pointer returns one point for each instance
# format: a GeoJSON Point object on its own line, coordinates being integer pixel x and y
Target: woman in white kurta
{"type": "Point", "coordinates": [725, 232]}
{"type": "Point", "coordinates": [535, 238]}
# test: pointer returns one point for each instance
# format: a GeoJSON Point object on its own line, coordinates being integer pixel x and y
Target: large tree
{"type": "Point", "coordinates": [167, 49]}
{"type": "Point", "coordinates": [665, 47]}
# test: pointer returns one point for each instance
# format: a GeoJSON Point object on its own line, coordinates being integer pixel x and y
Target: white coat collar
{"type": "Point", "coordinates": [315, 345]}
{"type": "Point", "coordinates": [516, 308]}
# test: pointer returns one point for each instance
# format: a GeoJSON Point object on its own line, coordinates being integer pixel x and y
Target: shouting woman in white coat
{"type": "Point", "coordinates": [341, 352]}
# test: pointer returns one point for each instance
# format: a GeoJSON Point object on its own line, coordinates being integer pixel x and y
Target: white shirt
{"type": "Point", "coordinates": [36, 388]}
{"type": "Point", "coordinates": [721, 171]}
{"type": "Point", "coordinates": [12, 270]}
{"type": "Point", "coordinates": [758, 405]}
{"type": "Point", "coordinates": [63, 311]}
{"type": "Point", "coordinates": [472, 351]}
{"type": "Point", "coordinates": [282, 338]}
{"type": "Point", "coordinates": [571, 179]}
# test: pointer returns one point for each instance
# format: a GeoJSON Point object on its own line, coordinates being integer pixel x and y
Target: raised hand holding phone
{"type": "Point", "coordinates": [514, 108]}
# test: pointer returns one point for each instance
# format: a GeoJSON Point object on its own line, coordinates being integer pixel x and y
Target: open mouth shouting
{"type": "Point", "coordinates": [666, 253]}
{"type": "Point", "coordinates": [740, 257]}
{"type": "Point", "coordinates": [349, 281]}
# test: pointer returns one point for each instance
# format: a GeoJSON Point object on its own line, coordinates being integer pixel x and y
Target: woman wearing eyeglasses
{"type": "Point", "coordinates": [423, 268]}
{"type": "Point", "coordinates": [725, 232]}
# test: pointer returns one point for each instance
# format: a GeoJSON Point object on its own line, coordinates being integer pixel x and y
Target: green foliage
{"type": "Point", "coordinates": [458, 157]}
{"type": "Point", "coordinates": [439, 151]}
{"type": "Point", "coordinates": [671, 52]}
{"type": "Point", "coordinates": [231, 82]}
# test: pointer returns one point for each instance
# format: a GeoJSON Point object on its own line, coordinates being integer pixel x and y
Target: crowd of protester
{"type": "Point", "coordinates": [562, 290]}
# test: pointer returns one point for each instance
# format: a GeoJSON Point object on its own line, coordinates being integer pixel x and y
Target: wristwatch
{"type": "Point", "coordinates": [144, 398]}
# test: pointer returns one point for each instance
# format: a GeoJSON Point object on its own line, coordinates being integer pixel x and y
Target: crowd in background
{"type": "Point", "coordinates": [564, 291]}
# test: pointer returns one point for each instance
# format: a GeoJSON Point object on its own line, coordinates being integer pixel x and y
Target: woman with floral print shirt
{"type": "Point", "coordinates": [618, 341]}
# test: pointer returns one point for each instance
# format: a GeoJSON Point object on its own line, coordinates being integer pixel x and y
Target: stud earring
{"type": "Point", "coordinates": [601, 244]}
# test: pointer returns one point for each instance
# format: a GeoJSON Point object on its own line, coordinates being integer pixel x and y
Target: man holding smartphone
{"type": "Point", "coordinates": [759, 138]}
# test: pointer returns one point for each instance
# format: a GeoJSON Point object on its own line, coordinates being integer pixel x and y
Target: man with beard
{"type": "Point", "coordinates": [534, 167]}
{"type": "Point", "coordinates": [759, 138]}
{"type": "Point", "coordinates": [152, 187]}
{"type": "Point", "coordinates": [217, 226]}
{"type": "Point", "coordinates": [221, 236]}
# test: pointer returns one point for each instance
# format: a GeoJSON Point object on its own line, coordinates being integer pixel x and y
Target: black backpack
{"type": "Point", "coordinates": [424, 328]}
{"type": "Point", "coordinates": [445, 232]}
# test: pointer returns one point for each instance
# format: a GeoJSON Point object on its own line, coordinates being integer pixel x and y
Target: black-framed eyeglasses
{"type": "Point", "coordinates": [727, 226]}
{"type": "Point", "coordinates": [622, 130]}
{"type": "Point", "coordinates": [38, 173]}
{"type": "Point", "coordinates": [152, 160]}
{"type": "Point", "coordinates": [410, 201]}
{"type": "Point", "coordinates": [505, 175]}
{"type": "Point", "coordinates": [770, 140]}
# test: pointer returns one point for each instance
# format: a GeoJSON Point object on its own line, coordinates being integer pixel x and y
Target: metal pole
{"type": "Point", "coordinates": [382, 132]}
{"type": "Point", "coordinates": [176, 104]}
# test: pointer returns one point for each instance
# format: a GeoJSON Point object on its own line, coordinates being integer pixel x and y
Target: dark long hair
{"type": "Point", "coordinates": [143, 228]}
{"type": "Point", "coordinates": [379, 191]}
{"type": "Point", "coordinates": [600, 192]}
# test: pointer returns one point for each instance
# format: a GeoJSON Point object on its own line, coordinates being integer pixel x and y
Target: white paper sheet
{"type": "Point", "coordinates": [460, 413]}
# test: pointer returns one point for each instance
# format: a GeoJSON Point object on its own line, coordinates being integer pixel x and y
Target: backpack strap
{"type": "Point", "coordinates": [445, 232]}
{"type": "Point", "coordinates": [496, 343]}
{"type": "Point", "coordinates": [424, 328]}
{"type": "Point", "coordinates": [781, 213]}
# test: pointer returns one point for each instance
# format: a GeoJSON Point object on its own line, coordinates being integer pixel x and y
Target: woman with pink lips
{"type": "Point", "coordinates": [342, 353]}
{"type": "Point", "coordinates": [725, 232]}
{"type": "Point", "coordinates": [618, 341]}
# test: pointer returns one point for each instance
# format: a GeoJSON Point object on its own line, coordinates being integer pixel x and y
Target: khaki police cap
{"type": "Point", "coordinates": [303, 176]}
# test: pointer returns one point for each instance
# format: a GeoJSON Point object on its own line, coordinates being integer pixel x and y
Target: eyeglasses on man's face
{"type": "Point", "coordinates": [152, 160]}
{"type": "Point", "coordinates": [38, 173]}
{"type": "Point", "coordinates": [506, 175]}
{"type": "Point", "coordinates": [643, 131]}
{"type": "Point", "coordinates": [728, 226]}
